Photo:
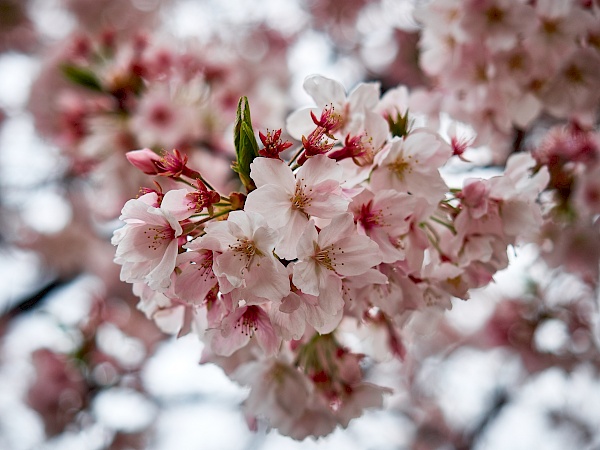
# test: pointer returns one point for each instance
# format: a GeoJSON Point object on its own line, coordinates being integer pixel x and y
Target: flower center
{"type": "Point", "coordinates": [245, 250]}
{"type": "Point", "coordinates": [248, 322]}
{"type": "Point", "coordinates": [494, 15]}
{"type": "Point", "coordinates": [370, 218]}
{"type": "Point", "coordinates": [161, 116]}
{"type": "Point", "coordinates": [300, 200]}
{"type": "Point", "coordinates": [157, 235]}
{"type": "Point", "coordinates": [324, 259]}
{"type": "Point", "coordinates": [400, 167]}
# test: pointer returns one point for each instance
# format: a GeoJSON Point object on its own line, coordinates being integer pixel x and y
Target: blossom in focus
{"type": "Point", "coordinates": [411, 165]}
{"type": "Point", "coordinates": [288, 200]}
{"type": "Point", "coordinates": [349, 109]}
{"type": "Point", "coordinates": [243, 258]}
{"type": "Point", "coordinates": [328, 255]}
{"type": "Point", "coordinates": [148, 244]}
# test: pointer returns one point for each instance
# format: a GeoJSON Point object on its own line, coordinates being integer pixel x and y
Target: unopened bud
{"type": "Point", "coordinates": [144, 160]}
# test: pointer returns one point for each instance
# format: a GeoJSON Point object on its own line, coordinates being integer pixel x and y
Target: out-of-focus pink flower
{"type": "Point", "coordinates": [125, 16]}
{"type": "Point", "coordinates": [59, 391]}
{"type": "Point", "coordinates": [17, 31]}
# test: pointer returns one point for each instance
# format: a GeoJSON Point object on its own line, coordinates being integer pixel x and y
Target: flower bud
{"type": "Point", "coordinates": [144, 160]}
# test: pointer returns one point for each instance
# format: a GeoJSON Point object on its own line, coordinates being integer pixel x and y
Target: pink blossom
{"type": "Point", "coordinates": [59, 390]}
{"type": "Point", "coordinates": [497, 22]}
{"type": "Point", "coordinates": [475, 196]}
{"type": "Point", "coordinates": [363, 147]}
{"type": "Point", "coordinates": [587, 192]}
{"type": "Point", "coordinates": [147, 245]}
{"type": "Point", "coordinates": [558, 27]}
{"type": "Point", "coordinates": [195, 278]}
{"type": "Point", "coordinates": [171, 112]}
{"type": "Point", "coordinates": [441, 34]}
{"type": "Point", "coordinates": [322, 313]}
{"type": "Point", "coordinates": [383, 216]}
{"type": "Point", "coordinates": [334, 252]}
{"type": "Point", "coordinates": [411, 165]}
{"type": "Point", "coordinates": [330, 93]}
{"type": "Point", "coordinates": [518, 191]}
{"type": "Point", "coordinates": [339, 380]}
{"type": "Point", "coordinates": [287, 200]}
{"type": "Point", "coordinates": [144, 160]}
{"type": "Point", "coordinates": [242, 325]}
{"type": "Point", "coordinates": [574, 247]}
{"type": "Point", "coordinates": [415, 242]}
{"type": "Point", "coordinates": [126, 16]}
{"type": "Point", "coordinates": [290, 316]}
{"type": "Point", "coordinates": [278, 391]}
{"type": "Point", "coordinates": [576, 86]}
{"type": "Point", "coordinates": [243, 261]}
{"type": "Point", "coordinates": [171, 316]}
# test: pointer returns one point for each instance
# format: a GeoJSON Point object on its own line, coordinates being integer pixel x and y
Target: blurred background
{"type": "Point", "coordinates": [81, 364]}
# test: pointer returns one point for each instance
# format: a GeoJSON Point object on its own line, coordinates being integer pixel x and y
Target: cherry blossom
{"type": "Point", "coordinates": [383, 217]}
{"type": "Point", "coordinates": [288, 200]}
{"type": "Point", "coordinates": [147, 245]}
{"type": "Point", "coordinates": [244, 262]}
{"type": "Point", "coordinates": [298, 311]}
{"type": "Point", "coordinates": [322, 267]}
{"type": "Point", "coordinates": [242, 325]}
{"type": "Point", "coordinates": [410, 165]}
{"type": "Point", "coordinates": [359, 227]}
{"type": "Point", "coordinates": [334, 252]}
{"type": "Point", "coordinates": [330, 95]}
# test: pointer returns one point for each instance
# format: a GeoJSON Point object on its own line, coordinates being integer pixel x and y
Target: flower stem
{"type": "Point", "coordinates": [295, 157]}
{"type": "Point", "coordinates": [441, 222]}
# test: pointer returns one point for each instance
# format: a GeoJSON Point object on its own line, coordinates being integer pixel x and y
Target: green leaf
{"type": "Point", "coordinates": [82, 77]}
{"type": "Point", "coordinates": [237, 127]}
{"type": "Point", "coordinates": [246, 146]}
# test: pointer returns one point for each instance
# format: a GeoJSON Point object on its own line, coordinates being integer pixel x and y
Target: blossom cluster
{"type": "Point", "coordinates": [115, 92]}
{"type": "Point", "coordinates": [501, 64]}
{"type": "Point", "coordinates": [318, 271]}
{"type": "Point", "coordinates": [357, 227]}
{"type": "Point", "coordinates": [123, 92]}
{"type": "Point", "coordinates": [569, 238]}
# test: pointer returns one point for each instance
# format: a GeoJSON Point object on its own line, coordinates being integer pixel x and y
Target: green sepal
{"type": "Point", "coordinates": [81, 77]}
{"type": "Point", "coordinates": [246, 146]}
{"type": "Point", "coordinates": [400, 125]}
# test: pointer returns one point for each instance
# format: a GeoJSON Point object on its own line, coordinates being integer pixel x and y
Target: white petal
{"type": "Point", "coordinates": [306, 278]}
{"type": "Point", "coordinates": [324, 90]}
{"type": "Point", "coordinates": [300, 123]}
{"type": "Point", "coordinates": [318, 169]}
{"type": "Point", "coordinates": [366, 95]}
{"type": "Point", "coordinates": [271, 202]}
{"type": "Point", "coordinates": [290, 235]}
{"type": "Point", "coordinates": [306, 243]}
{"type": "Point", "coordinates": [357, 255]}
{"type": "Point", "coordinates": [159, 279]}
{"type": "Point", "coordinates": [272, 171]}
{"type": "Point", "coordinates": [175, 202]}
{"type": "Point", "coordinates": [340, 227]}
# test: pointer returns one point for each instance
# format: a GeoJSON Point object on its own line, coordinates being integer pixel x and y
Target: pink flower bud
{"type": "Point", "coordinates": [144, 160]}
